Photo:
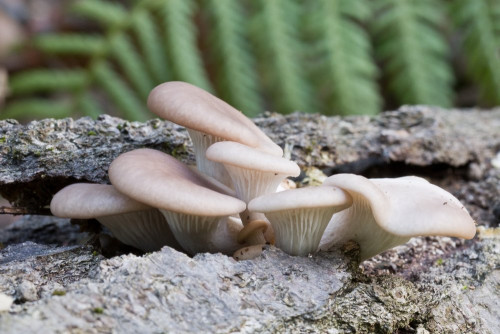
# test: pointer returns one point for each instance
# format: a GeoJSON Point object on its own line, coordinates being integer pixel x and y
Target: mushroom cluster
{"type": "Point", "coordinates": [230, 200]}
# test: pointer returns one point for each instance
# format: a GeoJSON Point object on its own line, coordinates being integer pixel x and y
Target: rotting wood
{"type": "Point", "coordinates": [41, 157]}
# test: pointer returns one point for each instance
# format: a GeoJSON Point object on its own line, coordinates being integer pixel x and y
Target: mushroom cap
{"type": "Point", "coordinates": [159, 180]}
{"type": "Point", "coordinates": [299, 216]}
{"type": "Point", "coordinates": [196, 109]}
{"type": "Point", "coordinates": [236, 154]}
{"type": "Point", "coordinates": [87, 200]}
{"type": "Point", "coordinates": [215, 184]}
{"type": "Point", "coordinates": [309, 197]}
{"type": "Point", "coordinates": [410, 206]}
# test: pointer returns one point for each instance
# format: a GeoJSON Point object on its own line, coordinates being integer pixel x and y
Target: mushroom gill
{"type": "Point", "coordinates": [192, 205]}
{"type": "Point", "coordinates": [133, 223]}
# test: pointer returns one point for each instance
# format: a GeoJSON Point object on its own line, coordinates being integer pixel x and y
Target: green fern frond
{"type": "Point", "coordinates": [277, 44]}
{"type": "Point", "coordinates": [151, 45]}
{"type": "Point", "coordinates": [72, 44]}
{"type": "Point", "coordinates": [181, 40]}
{"type": "Point", "coordinates": [88, 105]}
{"type": "Point", "coordinates": [107, 13]}
{"type": "Point", "coordinates": [48, 80]}
{"type": "Point", "coordinates": [413, 52]}
{"type": "Point", "coordinates": [343, 64]}
{"type": "Point", "coordinates": [236, 79]}
{"type": "Point", "coordinates": [36, 108]}
{"type": "Point", "coordinates": [480, 22]}
{"type": "Point", "coordinates": [124, 97]}
{"type": "Point", "coordinates": [131, 64]}
{"type": "Point", "coordinates": [261, 54]}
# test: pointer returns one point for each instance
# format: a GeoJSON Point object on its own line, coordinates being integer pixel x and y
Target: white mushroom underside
{"type": "Point", "coordinates": [201, 141]}
{"type": "Point", "coordinates": [146, 230]}
{"type": "Point", "coordinates": [299, 231]}
{"type": "Point", "coordinates": [250, 184]}
{"type": "Point", "coordinates": [358, 224]}
{"type": "Point", "coordinates": [194, 233]}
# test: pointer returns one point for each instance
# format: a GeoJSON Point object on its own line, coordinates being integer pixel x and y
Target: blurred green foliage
{"type": "Point", "coordinates": [329, 56]}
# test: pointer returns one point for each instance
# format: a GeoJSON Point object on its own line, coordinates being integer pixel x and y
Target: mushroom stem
{"type": "Point", "coordinates": [248, 217]}
{"type": "Point", "coordinates": [201, 141]}
{"type": "Point", "coordinates": [253, 232]}
{"type": "Point", "coordinates": [225, 238]}
{"type": "Point", "coordinates": [358, 224]}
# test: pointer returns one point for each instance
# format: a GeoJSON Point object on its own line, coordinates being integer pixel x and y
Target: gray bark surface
{"type": "Point", "coordinates": [62, 284]}
{"type": "Point", "coordinates": [39, 158]}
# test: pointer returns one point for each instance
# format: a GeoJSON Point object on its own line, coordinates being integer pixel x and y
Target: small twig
{"type": "Point", "coordinates": [7, 210]}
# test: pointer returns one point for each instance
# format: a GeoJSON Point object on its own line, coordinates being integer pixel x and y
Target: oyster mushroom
{"type": "Point", "coordinates": [133, 223]}
{"type": "Point", "coordinates": [388, 212]}
{"type": "Point", "coordinates": [208, 119]}
{"type": "Point", "coordinates": [225, 237]}
{"type": "Point", "coordinates": [299, 216]}
{"type": "Point", "coordinates": [192, 205]}
{"type": "Point", "coordinates": [254, 173]}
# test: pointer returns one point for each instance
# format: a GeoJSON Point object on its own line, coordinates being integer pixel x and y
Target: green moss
{"type": "Point", "coordinates": [91, 133]}
{"type": "Point", "coordinates": [17, 155]}
{"type": "Point", "coordinates": [178, 151]}
{"type": "Point", "coordinates": [155, 124]}
{"type": "Point", "coordinates": [58, 293]}
{"type": "Point", "coordinates": [308, 150]}
{"type": "Point", "coordinates": [98, 310]}
{"type": "Point", "coordinates": [122, 126]}
{"type": "Point", "coordinates": [3, 140]}
{"type": "Point", "coordinates": [439, 262]}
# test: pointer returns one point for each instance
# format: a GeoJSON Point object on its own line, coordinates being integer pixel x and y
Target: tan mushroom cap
{"type": "Point", "coordinates": [133, 223]}
{"type": "Point", "coordinates": [309, 197]}
{"type": "Point", "coordinates": [238, 155]}
{"type": "Point", "coordinates": [196, 109]}
{"type": "Point", "coordinates": [388, 212]}
{"type": "Point", "coordinates": [299, 216]}
{"type": "Point", "coordinates": [88, 200]}
{"type": "Point", "coordinates": [410, 206]}
{"type": "Point", "coordinates": [159, 180]}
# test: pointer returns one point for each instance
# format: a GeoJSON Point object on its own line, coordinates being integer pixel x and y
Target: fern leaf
{"type": "Point", "coordinates": [181, 41]}
{"type": "Point", "coordinates": [131, 64]}
{"type": "Point", "coordinates": [46, 80]}
{"type": "Point", "coordinates": [278, 48]}
{"type": "Point", "coordinates": [344, 67]}
{"type": "Point", "coordinates": [130, 105]}
{"type": "Point", "coordinates": [480, 22]}
{"type": "Point", "coordinates": [74, 44]}
{"type": "Point", "coordinates": [88, 105]}
{"type": "Point", "coordinates": [105, 12]}
{"type": "Point", "coordinates": [235, 80]}
{"type": "Point", "coordinates": [151, 45]}
{"type": "Point", "coordinates": [36, 108]}
{"type": "Point", "coordinates": [413, 52]}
